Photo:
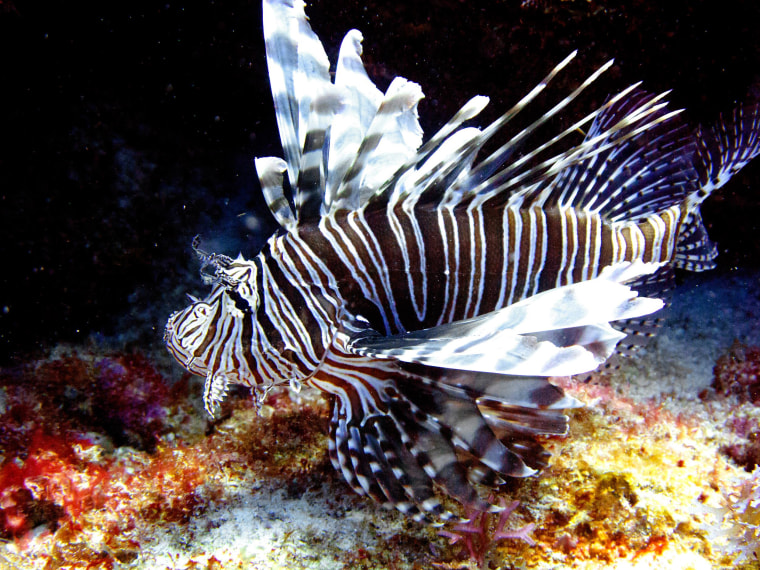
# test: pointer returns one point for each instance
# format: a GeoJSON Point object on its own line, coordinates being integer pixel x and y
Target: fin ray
{"type": "Point", "coordinates": [559, 332]}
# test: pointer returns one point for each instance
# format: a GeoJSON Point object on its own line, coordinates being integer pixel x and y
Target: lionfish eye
{"type": "Point", "coordinates": [200, 310]}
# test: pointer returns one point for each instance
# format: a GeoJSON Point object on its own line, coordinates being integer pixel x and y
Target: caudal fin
{"type": "Point", "coordinates": [725, 148]}
{"type": "Point", "coordinates": [722, 150]}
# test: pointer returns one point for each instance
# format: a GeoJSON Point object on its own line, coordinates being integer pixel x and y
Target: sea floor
{"type": "Point", "coordinates": [107, 466]}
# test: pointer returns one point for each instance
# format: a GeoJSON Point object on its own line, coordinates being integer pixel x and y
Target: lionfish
{"type": "Point", "coordinates": [430, 291]}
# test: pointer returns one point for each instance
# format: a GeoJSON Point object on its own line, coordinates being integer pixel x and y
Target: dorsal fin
{"type": "Point", "coordinates": [444, 170]}
{"type": "Point", "coordinates": [393, 136]}
{"type": "Point", "coordinates": [442, 158]}
{"type": "Point", "coordinates": [361, 100]}
{"type": "Point", "coordinates": [347, 146]}
{"type": "Point", "coordinates": [271, 171]}
{"type": "Point", "coordinates": [298, 68]}
{"type": "Point", "coordinates": [312, 173]}
{"type": "Point", "coordinates": [635, 159]}
{"type": "Point", "coordinates": [341, 141]}
{"type": "Point", "coordinates": [626, 172]}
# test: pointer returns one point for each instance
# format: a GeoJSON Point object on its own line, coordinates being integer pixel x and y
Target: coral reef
{"type": "Point", "coordinates": [84, 485]}
{"type": "Point", "coordinates": [102, 457]}
{"type": "Point", "coordinates": [744, 515]}
{"type": "Point", "coordinates": [745, 449]}
{"type": "Point", "coordinates": [738, 373]}
{"type": "Point", "coordinates": [70, 427]}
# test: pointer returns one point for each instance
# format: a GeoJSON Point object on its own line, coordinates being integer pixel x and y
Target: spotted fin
{"type": "Point", "coordinates": [694, 250]}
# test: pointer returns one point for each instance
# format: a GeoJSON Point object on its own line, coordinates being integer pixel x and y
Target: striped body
{"type": "Point", "coordinates": [435, 266]}
{"type": "Point", "coordinates": [431, 292]}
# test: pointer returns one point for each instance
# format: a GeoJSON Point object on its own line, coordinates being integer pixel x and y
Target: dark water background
{"type": "Point", "coordinates": [129, 127]}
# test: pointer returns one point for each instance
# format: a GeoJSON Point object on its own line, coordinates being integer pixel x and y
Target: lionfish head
{"type": "Point", "coordinates": [192, 335]}
{"type": "Point", "coordinates": [187, 331]}
{"type": "Point", "coordinates": [207, 337]}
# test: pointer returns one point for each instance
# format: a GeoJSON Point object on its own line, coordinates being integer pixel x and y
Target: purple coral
{"type": "Point", "coordinates": [474, 534]}
{"type": "Point", "coordinates": [738, 372]}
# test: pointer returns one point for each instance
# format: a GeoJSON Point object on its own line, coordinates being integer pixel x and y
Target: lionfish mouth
{"type": "Point", "coordinates": [169, 329]}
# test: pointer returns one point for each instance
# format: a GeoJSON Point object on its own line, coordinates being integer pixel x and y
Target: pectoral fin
{"type": "Point", "coordinates": [560, 332]}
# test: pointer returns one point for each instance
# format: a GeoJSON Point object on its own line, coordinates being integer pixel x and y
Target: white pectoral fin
{"type": "Point", "coordinates": [560, 332]}
{"type": "Point", "coordinates": [504, 352]}
{"type": "Point", "coordinates": [597, 301]}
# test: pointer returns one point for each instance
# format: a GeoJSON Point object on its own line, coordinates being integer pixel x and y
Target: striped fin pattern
{"type": "Point", "coordinates": [340, 140]}
{"type": "Point", "coordinates": [298, 69]}
{"type": "Point", "coordinates": [397, 432]}
{"type": "Point", "coordinates": [430, 290]}
{"type": "Point", "coordinates": [562, 331]}
{"type": "Point", "coordinates": [726, 147]}
{"type": "Point", "coordinates": [656, 162]}
{"type": "Point", "coordinates": [271, 173]}
{"type": "Point", "coordinates": [695, 251]}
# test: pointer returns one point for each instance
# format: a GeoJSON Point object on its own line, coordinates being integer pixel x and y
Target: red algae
{"type": "Point", "coordinates": [52, 483]}
{"type": "Point", "coordinates": [480, 534]}
{"type": "Point", "coordinates": [62, 421]}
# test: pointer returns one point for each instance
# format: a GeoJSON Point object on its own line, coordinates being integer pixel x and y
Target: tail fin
{"type": "Point", "coordinates": [722, 150]}
{"type": "Point", "coordinates": [725, 148]}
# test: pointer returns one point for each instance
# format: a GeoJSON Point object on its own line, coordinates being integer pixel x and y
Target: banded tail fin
{"type": "Point", "coordinates": [694, 250]}
{"type": "Point", "coordinates": [725, 148]}
{"type": "Point", "coordinates": [722, 150]}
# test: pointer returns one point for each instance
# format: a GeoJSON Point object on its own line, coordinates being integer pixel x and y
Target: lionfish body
{"type": "Point", "coordinates": [431, 292]}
